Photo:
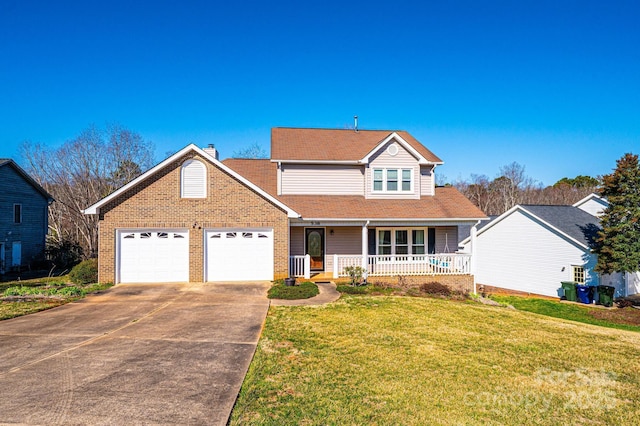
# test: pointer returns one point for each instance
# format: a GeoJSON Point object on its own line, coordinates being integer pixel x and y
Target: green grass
{"type": "Point", "coordinates": [572, 311]}
{"type": "Point", "coordinates": [303, 290]}
{"type": "Point", "coordinates": [418, 361]}
{"type": "Point", "coordinates": [42, 294]}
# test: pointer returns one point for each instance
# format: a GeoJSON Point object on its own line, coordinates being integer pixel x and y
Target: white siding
{"type": "Point", "coordinates": [521, 254]}
{"type": "Point", "coordinates": [321, 179]}
{"type": "Point", "coordinates": [426, 180]}
{"type": "Point", "coordinates": [446, 239]}
{"type": "Point", "coordinates": [593, 206]}
{"type": "Point", "coordinates": [626, 284]}
{"type": "Point", "coordinates": [383, 160]}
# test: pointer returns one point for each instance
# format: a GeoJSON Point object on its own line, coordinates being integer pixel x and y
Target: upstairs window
{"type": "Point", "coordinates": [17, 213]}
{"type": "Point", "coordinates": [193, 179]}
{"type": "Point", "coordinates": [392, 180]}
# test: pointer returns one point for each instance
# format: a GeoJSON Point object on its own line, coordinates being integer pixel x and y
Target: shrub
{"type": "Point", "coordinates": [355, 274]}
{"type": "Point", "coordinates": [85, 272]}
{"type": "Point", "coordinates": [349, 289]}
{"type": "Point", "coordinates": [22, 291]}
{"type": "Point", "coordinates": [63, 254]}
{"type": "Point", "coordinates": [70, 291]}
{"type": "Point", "coordinates": [435, 288]}
{"type": "Point", "coordinates": [304, 290]}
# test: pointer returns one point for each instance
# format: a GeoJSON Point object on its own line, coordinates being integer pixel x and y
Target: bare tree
{"type": "Point", "coordinates": [513, 186]}
{"type": "Point", "coordinates": [81, 172]}
{"type": "Point", "coordinates": [252, 151]}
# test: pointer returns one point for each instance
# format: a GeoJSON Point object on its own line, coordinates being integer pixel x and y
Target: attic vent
{"type": "Point", "coordinates": [193, 179]}
{"type": "Point", "coordinates": [393, 149]}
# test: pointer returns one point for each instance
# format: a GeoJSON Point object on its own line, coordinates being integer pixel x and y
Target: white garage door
{"type": "Point", "coordinates": [157, 255]}
{"type": "Point", "coordinates": [239, 254]}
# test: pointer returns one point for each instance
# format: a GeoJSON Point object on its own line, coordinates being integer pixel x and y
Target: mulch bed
{"type": "Point", "coordinates": [629, 315]}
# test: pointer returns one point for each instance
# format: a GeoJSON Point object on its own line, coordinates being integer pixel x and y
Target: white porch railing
{"type": "Point", "coordinates": [300, 266]}
{"type": "Point", "coordinates": [390, 265]}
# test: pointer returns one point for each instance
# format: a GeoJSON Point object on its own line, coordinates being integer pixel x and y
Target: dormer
{"type": "Point", "coordinates": [369, 163]}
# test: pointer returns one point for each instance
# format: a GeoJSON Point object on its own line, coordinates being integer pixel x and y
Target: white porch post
{"type": "Point", "coordinates": [365, 247]}
{"type": "Point", "coordinates": [472, 262]}
{"type": "Point", "coordinates": [307, 266]}
{"type": "Point", "coordinates": [336, 270]}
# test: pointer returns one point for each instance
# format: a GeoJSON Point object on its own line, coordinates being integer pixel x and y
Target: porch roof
{"type": "Point", "coordinates": [447, 203]}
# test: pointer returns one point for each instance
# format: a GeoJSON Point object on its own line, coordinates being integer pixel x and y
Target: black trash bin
{"type": "Point", "coordinates": [569, 288]}
{"type": "Point", "coordinates": [605, 295]}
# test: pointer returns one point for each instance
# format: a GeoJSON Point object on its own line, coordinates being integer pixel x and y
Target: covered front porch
{"type": "Point", "coordinates": [381, 249]}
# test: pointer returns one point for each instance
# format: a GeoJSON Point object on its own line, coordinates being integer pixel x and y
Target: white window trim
{"type": "Point", "coordinates": [384, 189]}
{"type": "Point", "coordinates": [409, 240]}
{"type": "Point", "coordinates": [584, 274]}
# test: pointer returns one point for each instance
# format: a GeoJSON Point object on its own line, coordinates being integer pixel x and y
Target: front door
{"type": "Point", "coordinates": [314, 242]}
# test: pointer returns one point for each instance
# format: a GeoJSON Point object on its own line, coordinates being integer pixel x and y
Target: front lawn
{"type": "Point", "coordinates": [625, 319]}
{"type": "Point", "coordinates": [28, 296]}
{"type": "Point", "coordinates": [417, 361]}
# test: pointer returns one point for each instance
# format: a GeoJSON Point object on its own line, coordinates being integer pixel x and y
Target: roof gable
{"type": "Point", "coordinates": [95, 208]}
{"type": "Point", "coordinates": [569, 222]}
{"type": "Point", "coordinates": [7, 162]}
{"type": "Point", "coordinates": [340, 145]}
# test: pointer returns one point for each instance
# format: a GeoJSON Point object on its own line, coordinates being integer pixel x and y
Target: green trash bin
{"type": "Point", "coordinates": [569, 288]}
{"type": "Point", "coordinates": [605, 295]}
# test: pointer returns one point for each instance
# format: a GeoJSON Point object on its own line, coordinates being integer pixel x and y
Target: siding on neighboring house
{"type": "Point", "coordinates": [519, 253]}
{"type": "Point", "coordinates": [446, 239]}
{"type": "Point", "coordinates": [593, 206]}
{"type": "Point", "coordinates": [403, 159]}
{"type": "Point", "coordinates": [321, 179]}
{"type": "Point", "coordinates": [32, 230]}
{"type": "Point", "coordinates": [427, 180]}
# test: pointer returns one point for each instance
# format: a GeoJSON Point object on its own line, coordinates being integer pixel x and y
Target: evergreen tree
{"type": "Point", "coordinates": [618, 244]}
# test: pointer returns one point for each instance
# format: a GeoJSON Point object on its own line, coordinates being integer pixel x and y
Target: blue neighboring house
{"type": "Point", "coordinates": [24, 210]}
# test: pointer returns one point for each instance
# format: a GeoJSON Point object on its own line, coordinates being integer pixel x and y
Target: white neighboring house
{"type": "Point", "coordinates": [592, 204]}
{"type": "Point", "coordinates": [533, 248]}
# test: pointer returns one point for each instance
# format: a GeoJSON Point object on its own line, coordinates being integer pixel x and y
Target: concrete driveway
{"type": "Point", "coordinates": [137, 354]}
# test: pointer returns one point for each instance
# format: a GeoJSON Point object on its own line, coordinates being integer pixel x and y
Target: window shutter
{"type": "Point", "coordinates": [194, 179]}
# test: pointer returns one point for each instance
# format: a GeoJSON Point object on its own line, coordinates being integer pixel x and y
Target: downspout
{"type": "Point", "coordinates": [472, 241]}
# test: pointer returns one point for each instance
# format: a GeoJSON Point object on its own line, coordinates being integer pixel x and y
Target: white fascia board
{"type": "Point", "coordinates": [405, 145]}
{"type": "Point", "coordinates": [591, 196]}
{"type": "Point", "coordinates": [391, 220]}
{"type": "Point", "coordinates": [531, 215]}
{"type": "Point", "coordinates": [95, 208]}
{"type": "Point", "coordinates": [285, 162]}
{"type": "Point", "coordinates": [559, 232]}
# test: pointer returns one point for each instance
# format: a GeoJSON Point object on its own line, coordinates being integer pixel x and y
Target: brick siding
{"type": "Point", "coordinates": [156, 203]}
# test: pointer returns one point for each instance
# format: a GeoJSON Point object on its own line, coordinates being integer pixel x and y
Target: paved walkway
{"type": "Point", "coordinates": [137, 354]}
{"type": "Point", "coordinates": [328, 294]}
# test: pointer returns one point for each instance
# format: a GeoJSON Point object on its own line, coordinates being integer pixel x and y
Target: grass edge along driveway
{"type": "Point", "coordinates": [400, 360]}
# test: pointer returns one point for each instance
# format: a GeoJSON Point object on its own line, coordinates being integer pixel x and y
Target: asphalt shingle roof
{"type": "Point", "coordinates": [335, 144]}
{"type": "Point", "coordinates": [447, 203]}
{"type": "Point", "coordinates": [571, 220]}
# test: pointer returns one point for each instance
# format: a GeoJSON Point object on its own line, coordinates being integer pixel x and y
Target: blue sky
{"type": "Point", "coordinates": [552, 85]}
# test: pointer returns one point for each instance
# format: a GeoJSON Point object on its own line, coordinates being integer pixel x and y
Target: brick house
{"type": "Point", "coordinates": [327, 199]}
